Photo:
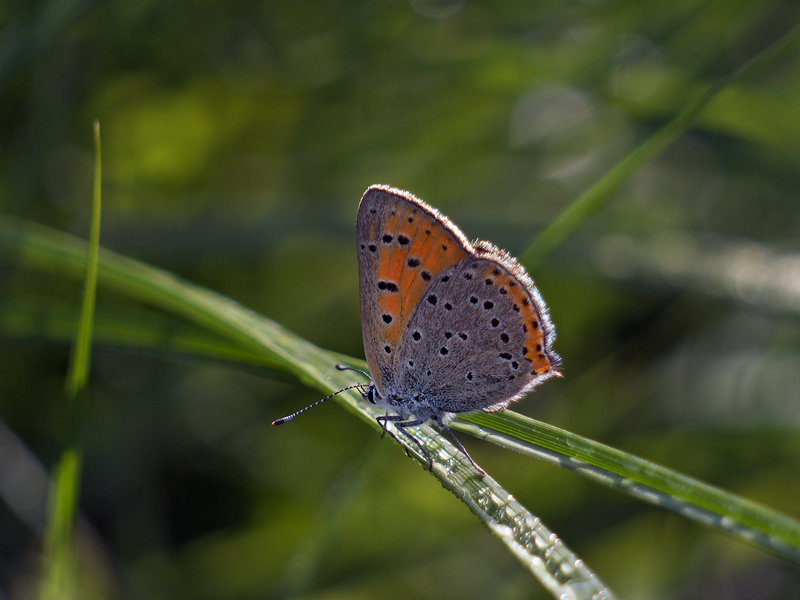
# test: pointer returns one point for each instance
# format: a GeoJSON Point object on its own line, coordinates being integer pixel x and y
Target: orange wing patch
{"type": "Point", "coordinates": [414, 249]}
{"type": "Point", "coordinates": [433, 250]}
{"type": "Point", "coordinates": [392, 238]}
{"type": "Point", "coordinates": [412, 282]}
{"type": "Point", "coordinates": [534, 349]}
{"type": "Point", "coordinates": [531, 320]}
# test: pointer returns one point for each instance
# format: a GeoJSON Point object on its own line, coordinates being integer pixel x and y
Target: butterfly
{"type": "Point", "coordinates": [449, 326]}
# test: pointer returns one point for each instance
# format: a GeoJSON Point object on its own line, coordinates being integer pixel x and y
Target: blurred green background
{"type": "Point", "coordinates": [238, 138]}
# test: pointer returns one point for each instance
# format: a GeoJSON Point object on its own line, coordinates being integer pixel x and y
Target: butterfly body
{"type": "Point", "coordinates": [449, 326]}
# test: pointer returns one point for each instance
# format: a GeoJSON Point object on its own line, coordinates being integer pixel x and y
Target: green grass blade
{"type": "Point", "coordinates": [61, 254]}
{"type": "Point", "coordinates": [773, 531]}
{"type": "Point", "coordinates": [747, 521]}
{"type": "Point", "coordinates": [593, 199]}
{"type": "Point", "coordinates": [544, 554]}
{"type": "Point", "coordinates": [81, 357]}
{"type": "Point", "coordinates": [45, 248]}
{"type": "Point", "coordinates": [131, 329]}
{"type": "Point", "coordinates": [694, 499]}
{"type": "Point", "coordinates": [58, 578]}
{"type": "Point", "coordinates": [59, 575]}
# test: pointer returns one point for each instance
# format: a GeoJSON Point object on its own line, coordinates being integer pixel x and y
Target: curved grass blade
{"type": "Point", "coordinates": [40, 247]}
{"type": "Point", "coordinates": [59, 575]}
{"type": "Point", "coordinates": [593, 199]}
{"type": "Point", "coordinates": [561, 572]}
{"type": "Point", "coordinates": [132, 330]}
{"type": "Point", "coordinates": [666, 488]}
{"type": "Point", "coordinates": [747, 521]}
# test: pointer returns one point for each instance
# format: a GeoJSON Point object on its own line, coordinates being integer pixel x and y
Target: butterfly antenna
{"type": "Point", "coordinates": [346, 368]}
{"type": "Point", "coordinates": [283, 420]}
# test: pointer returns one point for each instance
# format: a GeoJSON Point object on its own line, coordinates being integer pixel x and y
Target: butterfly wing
{"type": "Point", "coordinates": [480, 337]}
{"type": "Point", "coordinates": [403, 245]}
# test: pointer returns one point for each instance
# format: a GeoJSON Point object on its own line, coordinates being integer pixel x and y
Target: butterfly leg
{"type": "Point", "coordinates": [401, 427]}
{"type": "Point", "coordinates": [458, 444]}
{"type": "Point", "coordinates": [382, 422]}
{"type": "Point", "coordinates": [394, 418]}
